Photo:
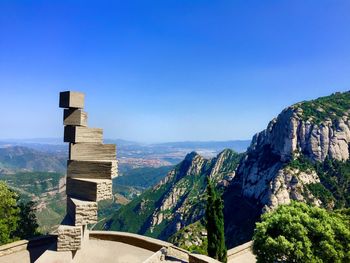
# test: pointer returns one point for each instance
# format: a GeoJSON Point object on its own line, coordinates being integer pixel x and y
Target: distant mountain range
{"type": "Point", "coordinates": [18, 158]}
{"type": "Point", "coordinates": [237, 145]}
{"type": "Point", "coordinates": [134, 154]}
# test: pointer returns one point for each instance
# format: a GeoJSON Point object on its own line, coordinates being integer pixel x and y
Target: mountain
{"type": "Point", "coordinates": [18, 158]}
{"type": "Point", "coordinates": [178, 199]}
{"type": "Point", "coordinates": [143, 177]}
{"type": "Point", "coordinates": [302, 155]}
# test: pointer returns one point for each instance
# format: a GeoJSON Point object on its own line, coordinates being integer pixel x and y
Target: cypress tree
{"type": "Point", "coordinates": [215, 224]}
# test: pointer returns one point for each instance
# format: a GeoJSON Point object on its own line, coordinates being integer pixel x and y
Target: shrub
{"type": "Point", "coordinates": [300, 233]}
{"type": "Point", "coordinates": [17, 219]}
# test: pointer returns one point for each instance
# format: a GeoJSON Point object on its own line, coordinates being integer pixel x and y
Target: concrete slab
{"type": "Point", "coordinates": [89, 189]}
{"type": "Point", "coordinates": [18, 257]}
{"type": "Point", "coordinates": [247, 257]}
{"type": "Point", "coordinates": [110, 251]}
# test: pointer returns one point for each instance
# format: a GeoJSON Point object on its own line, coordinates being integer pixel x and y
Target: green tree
{"type": "Point", "coordinates": [302, 233]}
{"type": "Point", "coordinates": [215, 224]}
{"type": "Point", "coordinates": [27, 223]}
{"type": "Point", "coordinates": [9, 214]}
{"type": "Point", "coordinates": [17, 219]}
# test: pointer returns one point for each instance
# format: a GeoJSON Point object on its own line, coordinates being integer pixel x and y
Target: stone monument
{"type": "Point", "coordinates": [90, 169]}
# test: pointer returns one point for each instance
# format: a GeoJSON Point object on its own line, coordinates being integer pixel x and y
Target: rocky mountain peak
{"type": "Point", "coordinates": [317, 129]}
{"type": "Point", "coordinates": [191, 156]}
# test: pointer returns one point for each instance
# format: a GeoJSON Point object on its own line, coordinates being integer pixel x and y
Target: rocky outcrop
{"type": "Point", "coordinates": [264, 173]}
{"type": "Point", "coordinates": [287, 185]}
{"type": "Point", "coordinates": [177, 200]}
{"type": "Point", "coordinates": [177, 205]}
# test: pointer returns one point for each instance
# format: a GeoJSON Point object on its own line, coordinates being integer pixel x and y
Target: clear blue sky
{"type": "Point", "coordinates": [168, 70]}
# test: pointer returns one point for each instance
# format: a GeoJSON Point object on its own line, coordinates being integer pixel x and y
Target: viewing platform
{"type": "Point", "coordinates": [111, 246]}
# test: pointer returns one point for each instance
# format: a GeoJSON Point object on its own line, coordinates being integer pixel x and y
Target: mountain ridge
{"type": "Point", "coordinates": [291, 159]}
{"type": "Point", "coordinates": [177, 200]}
{"type": "Point", "coordinates": [266, 175]}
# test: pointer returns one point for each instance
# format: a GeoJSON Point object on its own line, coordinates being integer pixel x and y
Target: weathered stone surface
{"type": "Point", "coordinates": [72, 99]}
{"type": "Point", "coordinates": [74, 117]}
{"type": "Point", "coordinates": [92, 169]}
{"type": "Point", "coordinates": [89, 189]}
{"type": "Point", "coordinates": [78, 134]}
{"type": "Point", "coordinates": [92, 151]}
{"type": "Point", "coordinates": [82, 212]}
{"type": "Point", "coordinates": [289, 184]}
{"type": "Point", "coordinates": [262, 173]}
{"type": "Point", "coordinates": [69, 238]}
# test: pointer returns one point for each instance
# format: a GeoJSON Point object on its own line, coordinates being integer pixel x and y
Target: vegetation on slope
{"type": "Point", "coordinates": [133, 216]}
{"type": "Point", "coordinates": [43, 188]}
{"type": "Point", "coordinates": [332, 107]}
{"type": "Point", "coordinates": [33, 183]}
{"type": "Point", "coordinates": [301, 233]}
{"type": "Point", "coordinates": [192, 238]}
{"type": "Point", "coordinates": [143, 177]}
{"type": "Point", "coordinates": [334, 188]}
{"type": "Point", "coordinates": [18, 158]}
{"type": "Point", "coordinates": [188, 185]}
{"type": "Point", "coordinates": [17, 219]}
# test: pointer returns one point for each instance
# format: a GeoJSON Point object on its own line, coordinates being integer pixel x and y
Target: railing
{"type": "Point", "coordinates": [24, 244]}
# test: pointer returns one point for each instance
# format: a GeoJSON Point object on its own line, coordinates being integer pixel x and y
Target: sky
{"type": "Point", "coordinates": [156, 71]}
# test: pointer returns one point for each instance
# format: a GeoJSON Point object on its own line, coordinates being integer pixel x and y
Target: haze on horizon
{"type": "Point", "coordinates": [168, 70]}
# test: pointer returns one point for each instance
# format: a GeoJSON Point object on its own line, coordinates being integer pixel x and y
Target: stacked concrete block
{"type": "Point", "coordinates": [90, 169]}
{"type": "Point", "coordinates": [69, 237]}
{"type": "Point", "coordinates": [81, 212]}
{"type": "Point", "coordinates": [94, 189]}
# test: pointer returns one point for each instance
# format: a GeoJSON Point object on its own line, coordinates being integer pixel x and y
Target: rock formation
{"type": "Point", "coordinates": [90, 169]}
{"type": "Point", "coordinates": [318, 130]}
{"type": "Point", "coordinates": [178, 199]}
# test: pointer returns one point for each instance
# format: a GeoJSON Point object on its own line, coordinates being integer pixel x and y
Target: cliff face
{"type": "Point", "coordinates": [179, 199]}
{"type": "Point", "coordinates": [318, 130]}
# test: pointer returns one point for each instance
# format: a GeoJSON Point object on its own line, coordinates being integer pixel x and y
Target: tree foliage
{"type": "Point", "coordinates": [9, 214]}
{"type": "Point", "coordinates": [17, 219]}
{"type": "Point", "coordinates": [27, 223]}
{"type": "Point", "coordinates": [301, 233]}
{"type": "Point", "coordinates": [215, 224]}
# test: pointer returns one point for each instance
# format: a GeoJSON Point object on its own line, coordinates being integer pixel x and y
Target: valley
{"type": "Point", "coordinates": [35, 168]}
{"type": "Point", "coordinates": [302, 155]}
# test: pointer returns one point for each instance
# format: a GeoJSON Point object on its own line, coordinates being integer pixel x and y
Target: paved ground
{"type": "Point", "coordinates": [22, 257]}
{"type": "Point", "coordinates": [247, 257]}
{"type": "Point", "coordinates": [111, 251]}
{"type": "Point", "coordinates": [94, 251]}
{"type": "Point", "coordinates": [100, 251]}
